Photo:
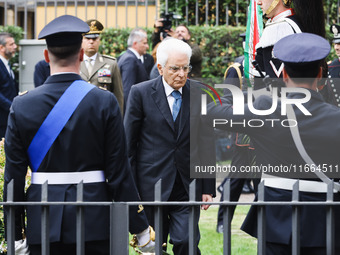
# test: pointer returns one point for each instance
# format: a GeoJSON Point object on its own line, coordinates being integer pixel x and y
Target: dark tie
{"type": "Point", "coordinates": [177, 104]}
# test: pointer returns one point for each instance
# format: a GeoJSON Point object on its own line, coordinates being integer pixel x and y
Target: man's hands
{"type": "Point", "coordinates": [206, 198]}
{"type": "Point", "coordinates": [144, 241]}
{"type": "Point", "coordinates": [158, 28]}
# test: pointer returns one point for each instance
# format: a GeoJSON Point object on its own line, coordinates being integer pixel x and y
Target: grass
{"type": "Point", "coordinates": [212, 243]}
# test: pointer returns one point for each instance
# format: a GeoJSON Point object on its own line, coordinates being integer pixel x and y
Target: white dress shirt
{"type": "Point", "coordinates": [168, 90]}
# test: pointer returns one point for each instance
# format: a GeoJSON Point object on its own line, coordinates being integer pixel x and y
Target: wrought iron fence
{"type": "Point", "coordinates": [119, 243]}
{"type": "Point", "coordinates": [32, 15]}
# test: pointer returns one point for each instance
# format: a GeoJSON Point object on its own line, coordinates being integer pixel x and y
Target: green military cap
{"type": "Point", "coordinates": [96, 28]}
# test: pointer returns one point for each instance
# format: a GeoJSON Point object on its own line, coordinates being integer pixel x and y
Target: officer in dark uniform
{"type": "Point", "coordinates": [334, 67]}
{"type": "Point", "coordinates": [276, 148]}
{"type": "Point", "coordinates": [282, 21]}
{"type": "Point", "coordinates": [332, 90]}
{"type": "Point", "coordinates": [97, 69]}
{"type": "Point", "coordinates": [88, 146]}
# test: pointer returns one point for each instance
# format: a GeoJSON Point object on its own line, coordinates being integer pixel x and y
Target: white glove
{"type": "Point", "coordinates": [21, 247]}
{"type": "Point", "coordinates": [146, 240]}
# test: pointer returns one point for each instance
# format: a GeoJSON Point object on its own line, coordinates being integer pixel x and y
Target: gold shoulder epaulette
{"type": "Point", "coordinates": [23, 93]}
{"type": "Point", "coordinates": [109, 57]}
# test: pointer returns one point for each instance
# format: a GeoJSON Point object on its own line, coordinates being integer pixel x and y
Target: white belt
{"type": "Point", "coordinates": [67, 177]}
{"type": "Point", "coordinates": [287, 184]}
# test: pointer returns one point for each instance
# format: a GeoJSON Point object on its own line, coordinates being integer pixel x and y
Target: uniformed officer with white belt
{"type": "Point", "coordinates": [281, 156]}
{"type": "Point", "coordinates": [69, 131]}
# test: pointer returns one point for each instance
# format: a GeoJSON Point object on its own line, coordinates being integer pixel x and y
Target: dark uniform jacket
{"type": "Point", "coordinates": [105, 73]}
{"type": "Point", "coordinates": [274, 30]}
{"type": "Point", "coordinates": [275, 147]}
{"type": "Point", "coordinates": [331, 91]}
{"type": "Point", "coordinates": [334, 68]}
{"type": "Point", "coordinates": [160, 150]}
{"type": "Point", "coordinates": [92, 139]}
{"type": "Point", "coordinates": [8, 90]}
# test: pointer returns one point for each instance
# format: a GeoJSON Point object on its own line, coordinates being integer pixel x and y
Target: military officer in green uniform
{"type": "Point", "coordinates": [98, 69]}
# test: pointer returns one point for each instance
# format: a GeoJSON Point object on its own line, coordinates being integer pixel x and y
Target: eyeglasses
{"type": "Point", "coordinates": [176, 69]}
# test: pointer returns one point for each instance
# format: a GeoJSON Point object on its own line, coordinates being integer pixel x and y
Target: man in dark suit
{"type": "Point", "coordinates": [130, 63]}
{"type": "Point", "coordinates": [159, 122]}
{"type": "Point", "coordinates": [97, 69]}
{"type": "Point", "coordinates": [148, 62]}
{"type": "Point", "coordinates": [89, 146]}
{"type": "Point", "coordinates": [276, 147]}
{"type": "Point", "coordinates": [41, 72]}
{"type": "Point", "coordinates": [8, 84]}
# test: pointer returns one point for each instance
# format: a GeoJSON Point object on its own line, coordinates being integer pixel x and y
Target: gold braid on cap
{"type": "Point", "coordinates": [93, 28]}
{"type": "Point", "coordinates": [287, 3]}
{"type": "Point", "coordinates": [272, 6]}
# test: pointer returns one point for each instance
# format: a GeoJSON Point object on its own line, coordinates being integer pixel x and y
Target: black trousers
{"type": "Point", "coordinates": [93, 247]}
{"type": "Point", "coordinates": [283, 249]}
{"type": "Point", "coordinates": [176, 220]}
{"type": "Point", "coordinates": [236, 186]}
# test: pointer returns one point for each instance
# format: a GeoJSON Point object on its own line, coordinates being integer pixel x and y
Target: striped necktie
{"type": "Point", "coordinates": [177, 104]}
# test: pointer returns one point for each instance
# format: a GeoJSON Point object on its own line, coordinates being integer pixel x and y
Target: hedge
{"type": "Point", "coordinates": [220, 45]}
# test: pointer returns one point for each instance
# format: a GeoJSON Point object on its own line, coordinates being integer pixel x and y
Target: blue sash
{"type": "Point", "coordinates": [55, 121]}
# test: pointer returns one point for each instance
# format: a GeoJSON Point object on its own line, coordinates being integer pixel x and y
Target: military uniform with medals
{"type": "Point", "coordinates": [105, 72]}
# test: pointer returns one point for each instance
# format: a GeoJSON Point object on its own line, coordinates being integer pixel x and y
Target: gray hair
{"type": "Point", "coordinates": [168, 46]}
{"type": "Point", "coordinates": [3, 37]}
{"type": "Point", "coordinates": [136, 35]}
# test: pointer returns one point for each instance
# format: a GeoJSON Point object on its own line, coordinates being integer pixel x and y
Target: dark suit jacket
{"type": "Point", "coordinates": [93, 139]}
{"type": "Point", "coordinates": [41, 72]}
{"type": "Point", "coordinates": [155, 150]}
{"type": "Point", "coordinates": [8, 90]}
{"type": "Point", "coordinates": [148, 62]}
{"type": "Point", "coordinates": [132, 71]}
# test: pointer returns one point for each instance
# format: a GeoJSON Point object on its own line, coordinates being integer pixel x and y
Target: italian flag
{"type": "Point", "coordinates": [253, 34]}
